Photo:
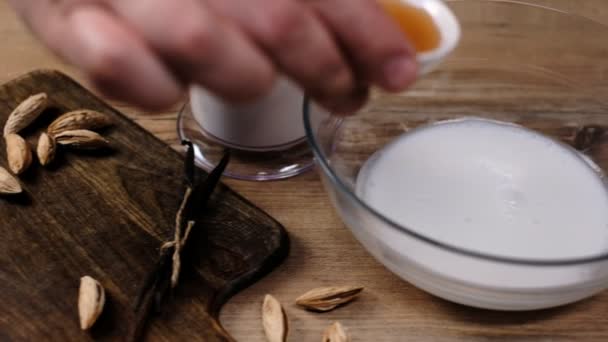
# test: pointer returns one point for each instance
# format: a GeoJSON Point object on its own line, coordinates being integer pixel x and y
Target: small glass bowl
{"type": "Point", "coordinates": [534, 66]}
{"type": "Point", "coordinates": [244, 164]}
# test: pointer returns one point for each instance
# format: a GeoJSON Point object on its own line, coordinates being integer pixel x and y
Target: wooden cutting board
{"type": "Point", "coordinates": [105, 215]}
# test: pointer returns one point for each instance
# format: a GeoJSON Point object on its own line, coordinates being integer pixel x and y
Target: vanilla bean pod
{"type": "Point", "coordinates": [158, 284]}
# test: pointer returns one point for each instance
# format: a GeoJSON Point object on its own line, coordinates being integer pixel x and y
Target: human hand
{"type": "Point", "coordinates": [147, 51]}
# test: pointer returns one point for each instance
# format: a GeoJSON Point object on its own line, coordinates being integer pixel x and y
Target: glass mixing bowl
{"type": "Point", "coordinates": [534, 66]}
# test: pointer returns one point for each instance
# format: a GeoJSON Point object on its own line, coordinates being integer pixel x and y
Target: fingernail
{"type": "Point", "coordinates": [399, 73]}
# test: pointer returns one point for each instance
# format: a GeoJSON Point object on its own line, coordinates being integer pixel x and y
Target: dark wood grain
{"type": "Point", "coordinates": [105, 215]}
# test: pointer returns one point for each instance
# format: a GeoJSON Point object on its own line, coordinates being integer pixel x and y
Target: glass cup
{"type": "Point", "coordinates": [266, 137]}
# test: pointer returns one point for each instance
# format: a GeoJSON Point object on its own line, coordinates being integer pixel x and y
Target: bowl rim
{"type": "Point", "coordinates": [322, 161]}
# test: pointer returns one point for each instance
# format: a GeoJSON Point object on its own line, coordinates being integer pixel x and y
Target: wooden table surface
{"type": "Point", "coordinates": [324, 252]}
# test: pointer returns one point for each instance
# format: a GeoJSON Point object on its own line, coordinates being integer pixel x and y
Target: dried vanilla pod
{"type": "Point", "coordinates": [25, 113]}
{"type": "Point", "coordinates": [328, 298]}
{"type": "Point", "coordinates": [154, 294]}
{"type": "Point", "coordinates": [91, 299]}
{"type": "Point", "coordinates": [274, 320]}
{"type": "Point", "coordinates": [18, 153]}
{"type": "Point", "coordinates": [79, 119]}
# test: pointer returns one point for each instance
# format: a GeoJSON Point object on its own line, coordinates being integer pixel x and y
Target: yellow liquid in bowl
{"type": "Point", "coordinates": [416, 23]}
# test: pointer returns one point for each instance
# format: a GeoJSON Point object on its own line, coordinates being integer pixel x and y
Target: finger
{"type": "Point", "coordinates": [119, 62]}
{"type": "Point", "coordinates": [203, 49]}
{"type": "Point", "coordinates": [300, 45]}
{"type": "Point", "coordinates": [109, 53]}
{"type": "Point", "coordinates": [374, 41]}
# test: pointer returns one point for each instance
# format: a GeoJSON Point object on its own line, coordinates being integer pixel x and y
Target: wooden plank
{"type": "Point", "coordinates": [105, 215]}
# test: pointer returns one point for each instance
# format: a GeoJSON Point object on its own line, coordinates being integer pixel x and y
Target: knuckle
{"type": "Point", "coordinates": [105, 62]}
{"type": "Point", "coordinates": [196, 36]}
{"type": "Point", "coordinates": [336, 75]}
{"type": "Point", "coordinates": [282, 23]}
{"type": "Point", "coordinates": [257, 88]}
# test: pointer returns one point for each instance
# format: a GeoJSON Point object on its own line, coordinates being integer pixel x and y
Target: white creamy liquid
{"type": "Point", "coordinates": [273, 122]}
{"type": "Point", "coordinates": [490, 187]}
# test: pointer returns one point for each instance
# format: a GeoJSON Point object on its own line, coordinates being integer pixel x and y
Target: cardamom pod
{"type": "Point", "coordinates": [79, 119]}
{"type": "Point", "coordinates": [328, 298]}
{"type": "Point", "coordinates": [25, 113]}
{"type": "Point", "coordinates": [81, 139]}
{"type": "Point", "coordinates": [335, 333]}
{"type": "Point", "coordinates": [18, 153]}
{"type": "Point", "coordinates": [8, 183]}
{"type": "Point", "coordinates": [91, 299]}
{"type": "Point", "coordinates": [274, 320]}
{"type": "Point", "coordinates": [46, 149]}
